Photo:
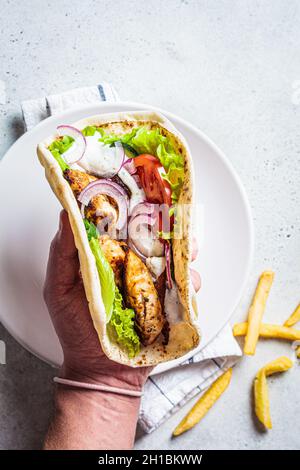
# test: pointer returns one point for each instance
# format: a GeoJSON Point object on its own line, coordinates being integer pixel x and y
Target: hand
{"type": "Point", "coordinates": [65, 297]}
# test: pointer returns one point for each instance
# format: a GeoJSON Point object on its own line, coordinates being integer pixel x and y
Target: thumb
{"type": "Point", "coordinates": [63, 263]}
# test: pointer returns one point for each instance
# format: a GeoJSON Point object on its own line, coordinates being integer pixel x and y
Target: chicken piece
{"type": "Point", "coordinates": [101, 210]}
{"type": "Point", "coordinates": [160, 286]}
{"type": "Point", "coordinates": [78, 180]}
{"type": "Point", "coordinates": [115, 255]}
{"type": "Point", "coordinates": [141, 295]}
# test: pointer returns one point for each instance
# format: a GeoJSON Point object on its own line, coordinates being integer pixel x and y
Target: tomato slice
{"type": "Point", "coordinates": [156, 188]}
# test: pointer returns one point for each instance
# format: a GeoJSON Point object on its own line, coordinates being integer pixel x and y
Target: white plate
{"type": "Point", "coordinates": [29, 215]}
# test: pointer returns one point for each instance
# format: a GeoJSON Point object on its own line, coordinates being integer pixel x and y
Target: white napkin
{"type": "Point", "coordinates": [164, 393]}
{"type": "Point", "coordinates": [36, 110]}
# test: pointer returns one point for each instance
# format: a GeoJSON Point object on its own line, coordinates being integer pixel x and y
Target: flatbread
{"type": "Point", "coordinates": [184, 335]}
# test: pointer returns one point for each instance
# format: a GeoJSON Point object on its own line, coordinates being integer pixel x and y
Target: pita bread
{"type": "Point", "coordinates": [184, 335]}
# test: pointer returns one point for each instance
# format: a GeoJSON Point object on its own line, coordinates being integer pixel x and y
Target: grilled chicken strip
{"type": "Point", "coordinates": [101, 210]}
{"type": "Point", "coordinates": [115, 255]}
{"type": "Point", "coordinates": [78, 180]}
{"type": "Point", "coordinates": [141, 295]}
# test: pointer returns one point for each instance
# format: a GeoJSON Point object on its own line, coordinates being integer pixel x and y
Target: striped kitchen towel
{"type": "Point", "coordinates": [38, 109]}
{"type": "Point", "coordinates": [164, 393]}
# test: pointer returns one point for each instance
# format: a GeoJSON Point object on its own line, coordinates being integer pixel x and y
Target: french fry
{"type": "Point", "coordinates": [261, 393]}
{"type": "Point", "coordinates": [281, 364]}
{"type": "Point", "coordinates": [204, 404]}
{"type": "Point", "coordinates": [267, 330]}
{"type": "Point", "coordinates": [262, 402]}
{"type": "Point", "coordinates": [294, 318]}
{"type": "Point", "coordinates": [256, 311]}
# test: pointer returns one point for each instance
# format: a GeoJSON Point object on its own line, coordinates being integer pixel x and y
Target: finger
{"type": "Point", "coordinates": [63, 263]}
{"type": "Point", "coordinates": [196, 279]}
{"type": "Point", "coordinates": [194, 249]}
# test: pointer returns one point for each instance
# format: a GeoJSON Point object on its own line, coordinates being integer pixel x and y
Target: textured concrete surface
{"type": "Point", "coordinates": [232, 68]}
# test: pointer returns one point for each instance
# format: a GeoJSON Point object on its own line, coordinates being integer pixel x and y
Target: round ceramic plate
{"type": "Point", "coordinates": [29, 213]}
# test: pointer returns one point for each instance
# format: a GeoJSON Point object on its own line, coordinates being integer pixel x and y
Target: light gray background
{"type": "Point", "coordinates": [232, 69]}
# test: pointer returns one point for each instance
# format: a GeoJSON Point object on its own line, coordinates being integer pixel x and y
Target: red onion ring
{"type": "Point", "coordinates": [143, 240]}
{"type": "Point", "coordinates": [109, 188]}
{"type": "Point", "coordinates": [138, 221]}
{"type": "Point", "coordinates": [196, 279]}
{"type": "Point", "coordinates": [137, 180]}
{"type": "Point", "coordinates": [143, 208]}
{"type": "Point", "coordinates": [76, 154]}
{"type": "Point", "coordinates": [114, 185]}
{"type": "Point", "coordinates": [130, 166]}
{"type": "Point", "coordinates": [137, 252]}
{"type": "Point", "coordinates": [168, 264]}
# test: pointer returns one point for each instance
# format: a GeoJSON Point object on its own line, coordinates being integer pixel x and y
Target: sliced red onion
{"type": "Point", "coordinates": [139, 221]}
{"type": "Point", "coordinates": [137, 180]}
{"type": "Point", "coordinates": [147, 209]}
{"type": "Point", "coordinates": [168, 264]}
{"type": "Point", "coordinates": [137, 252]}
{"type": "Point", "coordinates": [143, 239]}
{"type": "Point", "coordinates": [76, 151]}
{"type": "Point", "coordinates": [111, 189]}
{"type": "Point", "coordinates": [143, 208]}
{"type": "Point", "coordinates": [97, 183]}
{"type": "Point", "coordinates": [130, 166]}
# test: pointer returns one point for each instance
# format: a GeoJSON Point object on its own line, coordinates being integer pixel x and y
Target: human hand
{"type": "Point", "coordinates": [65, 297]}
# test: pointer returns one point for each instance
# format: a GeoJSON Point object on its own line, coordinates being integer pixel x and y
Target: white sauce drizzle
{"type": "Point", "coordinates": [99, 159]}
{"type": "Point", "coordinates": [173, 307]}
{"type": "Point", "coordinates": [156, 265]}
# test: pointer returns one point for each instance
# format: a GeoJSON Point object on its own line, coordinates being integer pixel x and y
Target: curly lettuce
{"type": "Point", "coordinates": [107, 278]}
{"type": "Point", "coordinates": [121, 327]}
{"type": "Point", "coordinates": [60, 146]}
{"type": "Point", "coordinates": [120, 320]}
{"type": "Point", "coordinates": [91, 130]}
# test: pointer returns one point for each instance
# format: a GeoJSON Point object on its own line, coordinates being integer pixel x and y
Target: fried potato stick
{"type": "Point", "coordinates": [261, 393]}
{"type": "Point", "coordinates": [256, 311]}
{"type": "Point", "coordinates": [204, 404]}
{"type": "Point", "coordinates": [267, 330]}
{"type": "Point", "coordinates": [294, 318]}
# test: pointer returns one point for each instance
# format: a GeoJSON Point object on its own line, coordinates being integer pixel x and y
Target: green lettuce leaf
{"type": "Point", "coordinates": [91, 229]}
{"type": "Point", "coordinates": [109, 139]}
{"type": "Point", "coordinates": [107, 278]}
{"type": "Point", "coordinates": [121, 326]}
{"type": "Point", "coordinates": [60, 146]}
{"type": "Point", "coordinates": [90, 130]}
{"type": "Point", "coordinates": [120, 320]}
